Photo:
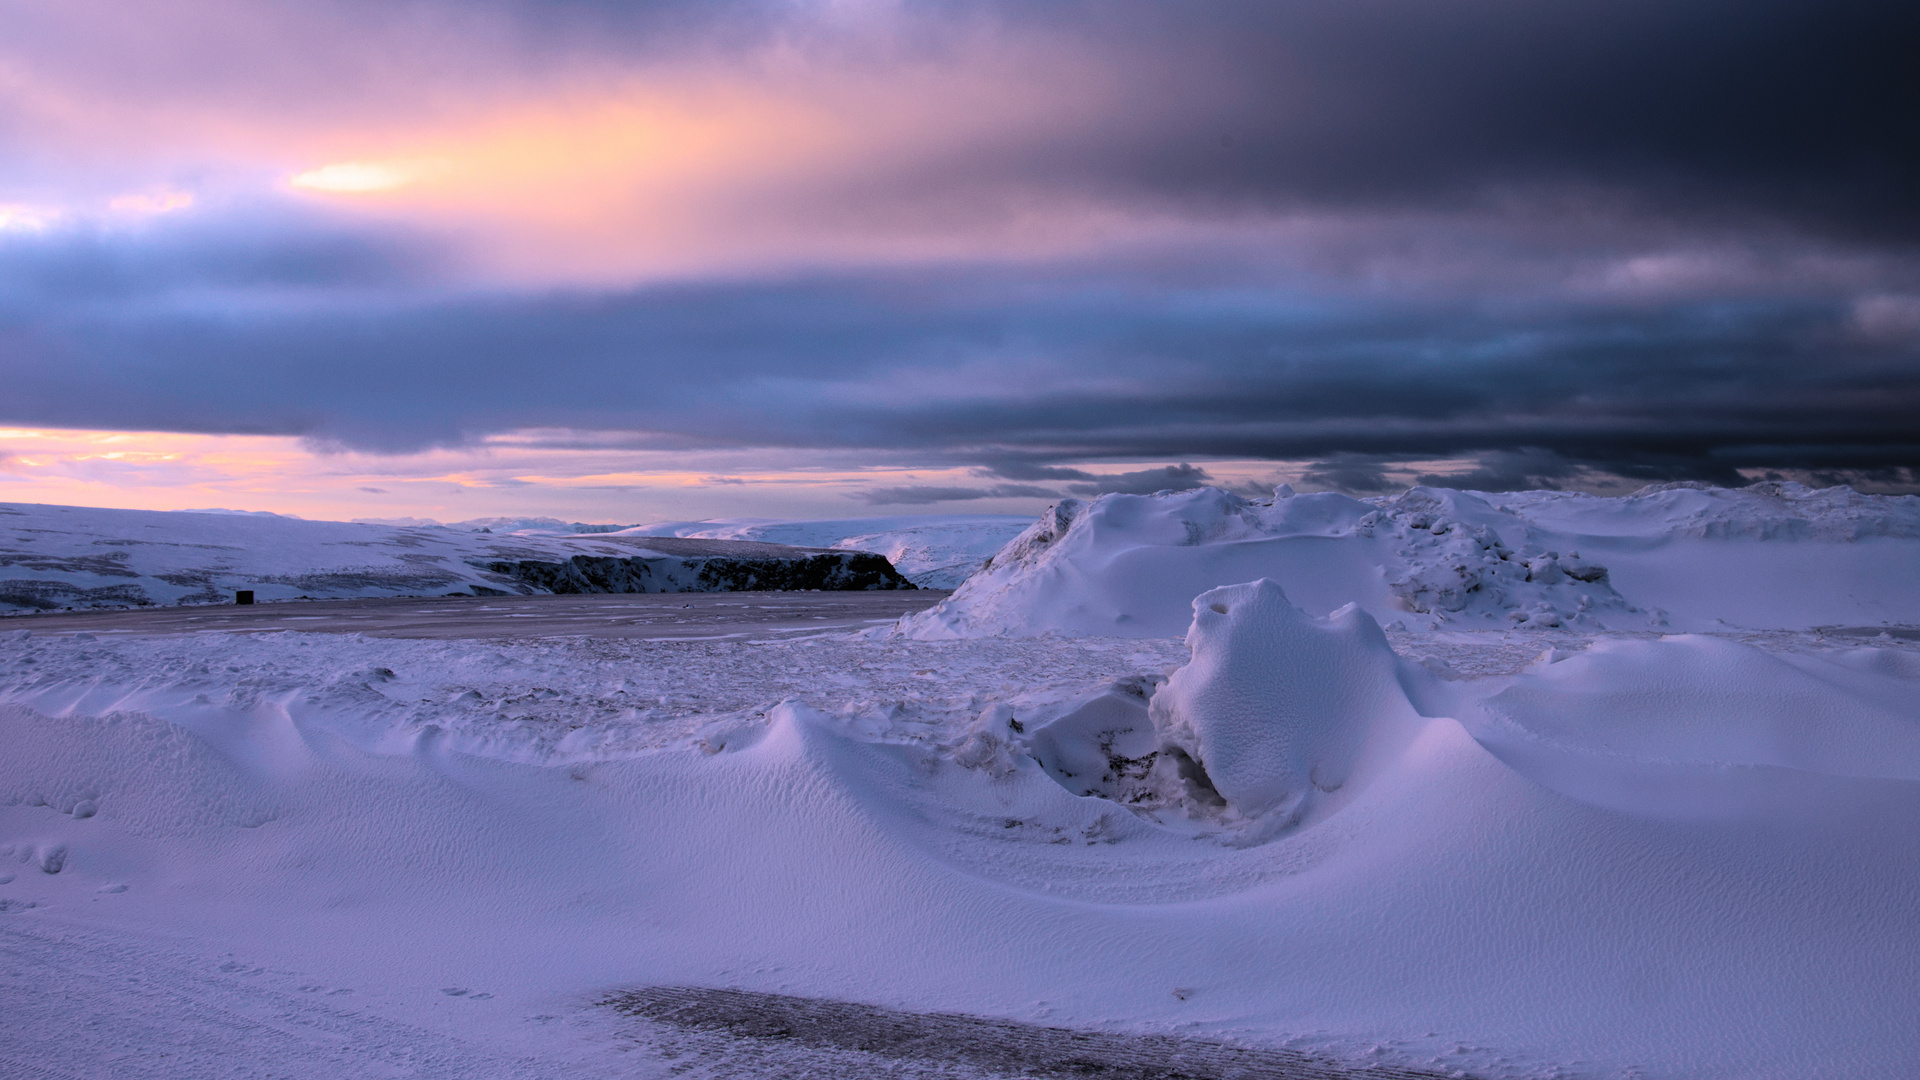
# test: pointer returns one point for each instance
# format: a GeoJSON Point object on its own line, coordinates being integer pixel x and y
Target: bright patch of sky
{"type": "Point", "coordinates": [1342, 240]}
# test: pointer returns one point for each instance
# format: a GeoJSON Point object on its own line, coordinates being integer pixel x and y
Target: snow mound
{"type": "Point", "coordinates": [1276, 704]}
{"type": "Point", "coordinates": [1769, 556]}
{"type": "Point", "coordinates": [1701, 727]}
{"type": "Point", "coordinates": [1269, 717]}
{"type": "Point", "coordinates": [1451, 561]}
{"type": "Point", "coordinates": [1129, 565]}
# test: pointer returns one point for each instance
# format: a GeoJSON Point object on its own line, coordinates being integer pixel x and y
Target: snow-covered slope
{"type": "Point", "coordinates": [1671, 556]}
{"type": "Point", "coordinates": [83, 557]}
{"type": "Point", "coordinates": [934, 551]}
{"type": "Point", "coordinates": [316, 856]}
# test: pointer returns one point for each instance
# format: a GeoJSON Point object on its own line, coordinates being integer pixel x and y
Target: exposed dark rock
{"type": "Point", "coordinates": [48, 595]}
{"type": "Point", "coordinates": [349, 581]}
{"type": "Point", "coordinates": [112, 564]}
{"type": "Point", "coordinates": [836, 570]}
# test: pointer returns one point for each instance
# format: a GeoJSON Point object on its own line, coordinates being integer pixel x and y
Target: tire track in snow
{"type": "Point", "coordinates": [979, 1046]}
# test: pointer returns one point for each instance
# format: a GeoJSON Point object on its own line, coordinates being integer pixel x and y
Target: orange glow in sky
{"type": "Point", "coordinates": [690, 171]}
{"type": "Point", "coordinates": [589, 169]}
{"type": "Point", "coordinates": [510, 475]}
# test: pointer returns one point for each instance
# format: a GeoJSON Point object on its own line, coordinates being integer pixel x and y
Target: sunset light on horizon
{"type": "Point", "coordinates": [1005, 247]}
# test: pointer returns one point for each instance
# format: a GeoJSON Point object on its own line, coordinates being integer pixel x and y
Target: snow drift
{"type": "Point", "coordinates": [1658, 858]}
{"type": "Point", "coordinates": [1672, 556]}
{"type": "Point", "coordinates": [1275, 704]}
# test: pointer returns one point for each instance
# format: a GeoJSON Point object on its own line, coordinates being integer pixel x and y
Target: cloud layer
{"type": "Point", "coordinates": [1552, 244]}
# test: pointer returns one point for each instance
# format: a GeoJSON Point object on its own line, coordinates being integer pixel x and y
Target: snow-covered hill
{"type": "Point", "coordinates": [934, 551]}
{"type": "Point", "coordinates": [1679, 556]}
{"type": "Point", "coordinates": [83, 557]}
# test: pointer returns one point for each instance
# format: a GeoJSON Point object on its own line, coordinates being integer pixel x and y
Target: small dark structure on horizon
{"type": "Point", "coordinates": [243, 596]}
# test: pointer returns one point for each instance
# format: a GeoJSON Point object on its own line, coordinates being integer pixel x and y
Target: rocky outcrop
{"type": "Point", "coordinates": [836, 570]}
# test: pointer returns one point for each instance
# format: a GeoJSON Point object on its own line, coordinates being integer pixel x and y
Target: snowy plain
{"type": "Point", "coordinates": [76, 557]}
{"type": "Point", "coordinates": [1550, 821]}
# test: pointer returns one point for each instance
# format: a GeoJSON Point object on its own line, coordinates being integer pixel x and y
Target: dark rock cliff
{"type": "Point", "coordinates": [839, 570]}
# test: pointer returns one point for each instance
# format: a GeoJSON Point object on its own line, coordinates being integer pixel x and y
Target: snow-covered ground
{"type": "Point", "coordinates": [1682, 556]}
{"type": "Point", "coordinates": [1580, 846]}
{"type": "Point", "coordinates": [83, 557]}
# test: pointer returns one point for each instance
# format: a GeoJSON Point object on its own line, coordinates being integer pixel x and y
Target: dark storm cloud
{"type": "Point", "coordinates": [1712, 107]}
{"type": "Point", "coordinates": [1060, 374]}
{"type": "Point", "coordinates": [1146, 481]}
{"type": "Point", "coordinates": [1523, 469]}
{"type": "Point", "coordinates": [1880, 479]}
{"type": "Point", "coordinates": [1016, 469]}
{"type": "Point", "coordinates": [1355, 474]}
{"type": "Point", "coordinates": [1656, 240]}
{"type": "Point", "coordinates": [1717, 109]}
{"type": "Point", "coordinates": [1142, 482]}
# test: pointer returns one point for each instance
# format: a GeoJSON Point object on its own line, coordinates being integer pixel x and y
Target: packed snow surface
{"type": "Point", "coordinates": [1770, 556]}
{"type": "Point", "coordinates": [1633, 856]}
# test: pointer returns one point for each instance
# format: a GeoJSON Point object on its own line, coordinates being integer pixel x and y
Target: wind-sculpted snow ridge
{"type": "Point", "coordinates": [301, 854]}
{"type": "Point", "coordinates": [79, 557]}
{"type": "Point", "coordinates": [1634, 857]}
{"type": "Point", "coordinates": [1261, 731]}
{"type": "Point", "coordinates": [1671, 557]}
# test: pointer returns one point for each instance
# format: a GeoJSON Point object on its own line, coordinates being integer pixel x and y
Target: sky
{"type": "Point", "coordinates": [627, 261]}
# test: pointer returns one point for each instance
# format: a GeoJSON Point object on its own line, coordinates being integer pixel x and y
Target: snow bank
{"type": "Point", "coordinates": [81, 557]}
{"type": "Point", "coordinates": [1770, 556]}
{"type": "Point", "coordinates": [1701, 727]}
